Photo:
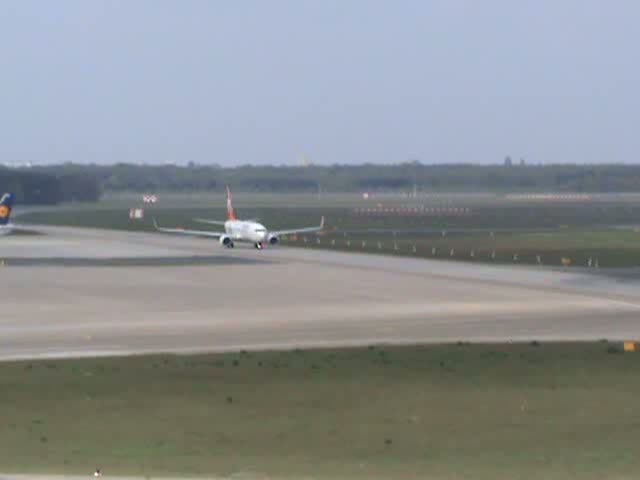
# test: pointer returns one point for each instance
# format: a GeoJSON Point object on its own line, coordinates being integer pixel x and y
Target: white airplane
{"type": "Point", "coordinates": [236, 230]}
{"type": "Point", "coordinates": [6, 204]}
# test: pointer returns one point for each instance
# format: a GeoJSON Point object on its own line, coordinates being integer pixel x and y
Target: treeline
{"type": "Point", "coordinates": [33, 187]}
{"type": "Point", "coordinates": [90, 179]}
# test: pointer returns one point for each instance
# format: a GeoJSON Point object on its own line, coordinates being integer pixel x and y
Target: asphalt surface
{"type": "Point", "coordinates": [77, 292]}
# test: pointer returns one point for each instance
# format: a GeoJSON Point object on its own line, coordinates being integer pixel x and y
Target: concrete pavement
{"type": "Point", "coordinates": [76, 292]}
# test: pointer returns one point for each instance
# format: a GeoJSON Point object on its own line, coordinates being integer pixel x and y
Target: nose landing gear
{"type": "Point", "coordinates": [258, 245]}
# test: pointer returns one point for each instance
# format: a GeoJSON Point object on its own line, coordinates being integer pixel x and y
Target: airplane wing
{"type": "Point", "coordinates": [209, 222]}
{"type": "Point", "coordinates": [12, 228]}
{"type": "Point", "coordinates": [182, 231]}
{"type": "Point", "coordinates": [299, 230]}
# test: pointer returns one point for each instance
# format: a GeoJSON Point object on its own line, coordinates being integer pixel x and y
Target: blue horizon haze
{"type": "Point", "coordinates": [332, 81]}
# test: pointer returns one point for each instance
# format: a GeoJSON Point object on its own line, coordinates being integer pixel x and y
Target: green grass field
{"type": "Point", "coordinates": [500, 233]}
{"type": "Point", "coordinates": [552, 411]}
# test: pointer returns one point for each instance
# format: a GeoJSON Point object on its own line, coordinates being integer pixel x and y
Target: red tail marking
{"type": "Point", "coordinates": [231, 214]}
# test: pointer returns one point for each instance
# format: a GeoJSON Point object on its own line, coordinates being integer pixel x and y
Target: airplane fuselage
{"type": "Point", "coordinates": [245, 231]}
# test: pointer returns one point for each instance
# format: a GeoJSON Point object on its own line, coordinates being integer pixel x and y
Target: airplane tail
{"type": "Point", "coordinates": [231, 214]}
{"type": "Point", "coordinates": [6, 204]}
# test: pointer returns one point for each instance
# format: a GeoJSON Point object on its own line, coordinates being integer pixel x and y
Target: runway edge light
{"type": "Point", "coordinates": [630, 347]}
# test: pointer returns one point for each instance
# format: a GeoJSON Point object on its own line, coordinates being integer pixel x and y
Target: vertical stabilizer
{"type": "Point", "coordinates": [231, 214]}
{"type": "Point", "coordinates": [6, 203]}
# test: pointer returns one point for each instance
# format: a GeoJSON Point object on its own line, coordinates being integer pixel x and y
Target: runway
{"type": "Point", "coordinates": [76, 292]}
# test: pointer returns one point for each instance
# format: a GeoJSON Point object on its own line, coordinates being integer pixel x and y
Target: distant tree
{"type": "Point", "coordinates": [40, 188]}
{"type": "Point", "coordinates": [85, 182]}
{"type": "Point", "coordinates": [79, 187]}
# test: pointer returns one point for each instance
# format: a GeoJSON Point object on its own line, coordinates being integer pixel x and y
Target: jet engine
{"type": "Point", "coordinates": [225, 241]}
{"type": "Point", "coordinates": [274, 240]}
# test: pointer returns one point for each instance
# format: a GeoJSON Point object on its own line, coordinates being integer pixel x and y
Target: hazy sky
{"type": "Point", "coordinates": [340, 81]}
